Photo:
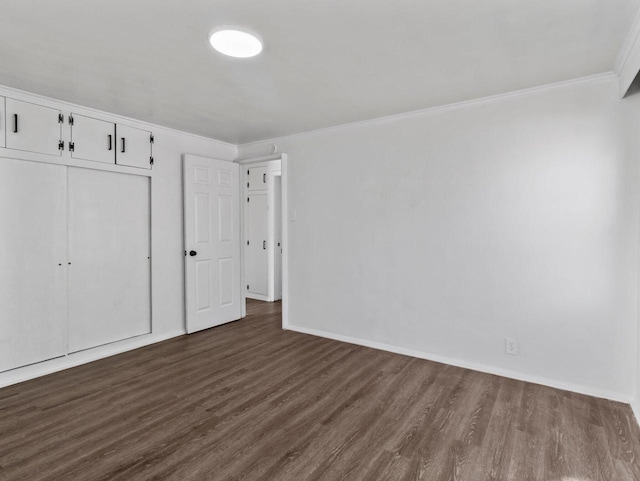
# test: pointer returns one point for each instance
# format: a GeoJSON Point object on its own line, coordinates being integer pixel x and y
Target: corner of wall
{"type": "Point", "coordinates": [635, 407]}
{"type": "Point", "coordinates": [628, 60]}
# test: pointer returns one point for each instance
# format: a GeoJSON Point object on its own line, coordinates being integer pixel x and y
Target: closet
{"type": "Point", "coordinates": [75, 236]}
{"type": "Point", "coordinates": [76, 260]}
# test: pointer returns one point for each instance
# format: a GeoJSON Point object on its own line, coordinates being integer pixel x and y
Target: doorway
{"type": "Point", "coordinates": [264, 221]}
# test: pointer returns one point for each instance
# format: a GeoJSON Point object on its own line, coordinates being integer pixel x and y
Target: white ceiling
{"type": "Point", "coordinates": [325, 62]}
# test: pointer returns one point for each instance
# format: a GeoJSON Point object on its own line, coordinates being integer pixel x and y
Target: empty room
{"type": "Point", "coordinates": [319, 240]}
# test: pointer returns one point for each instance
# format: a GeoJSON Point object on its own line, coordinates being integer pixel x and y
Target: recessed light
{"type": "Point", "coordinates": [235, 43]}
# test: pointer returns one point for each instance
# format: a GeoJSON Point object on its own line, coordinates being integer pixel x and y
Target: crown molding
{"type": "Point", "coordinates": [606, 76]}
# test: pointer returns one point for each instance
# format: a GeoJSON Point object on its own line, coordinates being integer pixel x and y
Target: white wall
{"type": "Point", "coordinates": [167, 222]}
{"type": "Point", "coordinates": [443, 232]}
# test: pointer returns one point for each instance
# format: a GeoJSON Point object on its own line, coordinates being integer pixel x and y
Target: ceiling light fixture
{"type": "Point", "coordinates": [235, 43]}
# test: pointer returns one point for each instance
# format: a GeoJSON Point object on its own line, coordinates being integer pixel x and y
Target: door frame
{"type": "Point", "coordinates": [284, 169]}
{"type": "Point", "coordinates": [273, 252]}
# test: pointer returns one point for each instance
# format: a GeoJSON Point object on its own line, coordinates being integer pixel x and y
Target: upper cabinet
{"type": "Point", "coordinates": [76, 137]}
{"type": "Point", "coordinates": [102, 141]}
{"type": "Point", "coordinates": [257, 178]}
{"type": "Point", "coordinates": [33, 128]}
{"type": "Point", "coordinates": [134, 147]}
{"type": "Point", "coordinates": [92, 139]}
{"type": "Point", "coordinates": [2, 122]}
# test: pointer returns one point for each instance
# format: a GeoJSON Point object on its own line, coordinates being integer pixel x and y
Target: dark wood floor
{"type": "Point", "coordinates": [248, 401]}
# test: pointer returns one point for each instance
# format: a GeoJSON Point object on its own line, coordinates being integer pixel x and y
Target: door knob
{"type": "Point", "coordinates": [193, 253]}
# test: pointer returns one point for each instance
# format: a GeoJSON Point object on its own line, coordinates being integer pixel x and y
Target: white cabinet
{"type": "Point", "coordinates": [101, 141]}
{"type": "Point", "coordinates": [33, 128]}
{"type": "Point", "coordinates": [256, 262]}
{"type": "Point", "coordinates": [33, 244]}
{"type": "Point", "coordinates": [134, 147]}
{"type": "Point", "coordinates": [3, 122]}
{"type": "Point", "coordinates": [92, 139]}
{"type": "Point", "coordinates": [74, 260]}
{"type": "Point", "coordinates": [257, 178]}
{"type": "Point", "coordinates": [109, 248]}
{"type": "Point", "coordinates": [38, 129]}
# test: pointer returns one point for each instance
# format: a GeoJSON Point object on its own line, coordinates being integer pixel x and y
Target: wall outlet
{"type": "Point", "coordinates": [511, 346]}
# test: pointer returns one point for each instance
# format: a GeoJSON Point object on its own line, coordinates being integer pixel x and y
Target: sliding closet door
{"type": "Point", "coordinates": [109, 249]}
{"type": "Point", "coordinates": [33, 246]}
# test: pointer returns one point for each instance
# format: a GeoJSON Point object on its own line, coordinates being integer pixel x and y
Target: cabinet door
{"type": "Point", "coordinates": [257, 233]}
{"type": "Point", "coordinates": [33, 128]}
{"type": "Point", "coordinates": [109, 275]}
{"type": "Point", "coordinates": [134, 147]}
{"type": "Point", "coordinates": [3, 122]}
{"type": "Point", "coordinates": [257, 178]}
{"type": "Point", "coordinates": [93, 139]}
{"type": "Point", "coordinates": [33, 241]}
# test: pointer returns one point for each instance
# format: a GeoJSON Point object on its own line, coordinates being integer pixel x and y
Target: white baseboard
{"type": "Point", "coordinates": [32, 371]}
{"type": "Point", "coordinates": [587, 390]}
{"type": "Point", "coordinates": [258, 297]}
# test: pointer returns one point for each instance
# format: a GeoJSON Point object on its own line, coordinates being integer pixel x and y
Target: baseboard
{"type": "Point", "coordinates": [32, 371]}
{"type": "Point", "coordinates": [258, 297]}
{"type": "Point", "coordinates": [589, 391]}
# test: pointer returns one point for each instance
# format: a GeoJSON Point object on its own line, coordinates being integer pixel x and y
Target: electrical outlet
{"type": "Point", "coordinates": [511, 346]}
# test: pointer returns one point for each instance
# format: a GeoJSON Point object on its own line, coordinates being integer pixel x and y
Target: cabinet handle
{"type": "Point", "coordinates": [15, 123]}
{"type": "Point", "coordinates": [264, 245]}
{"type": "Point", "coordinates": [123, 141]}
{"type": "Point", "coordinates": [110, 142]}
{"type": "Point", "coordinates": [264, 178]}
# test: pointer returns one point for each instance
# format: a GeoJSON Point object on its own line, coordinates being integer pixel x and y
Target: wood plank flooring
{"type": "Point", "coordinates": [248, 401]}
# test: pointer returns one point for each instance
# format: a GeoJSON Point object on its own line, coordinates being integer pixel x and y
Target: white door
{"type": "Point", "coordinates": [93, 139]}
{"type": "Point", "coordinates": [3, 123]}
{"type": "Point", "coordinates": [33, 264]}
{"type": "Point", "coordinates": [212, 242]}
{"type": "Point", "coordinates": [109, 257]}
{"type": "Point", "coordinates": [134, 147]}
{"type": "Point", "coordinates": [257, 258]}
{"type": "Point", "coordinates": [33, 128]}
